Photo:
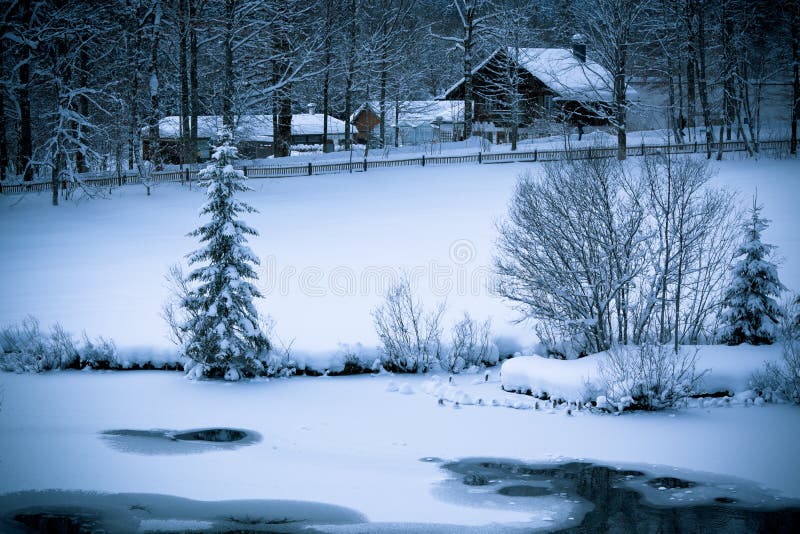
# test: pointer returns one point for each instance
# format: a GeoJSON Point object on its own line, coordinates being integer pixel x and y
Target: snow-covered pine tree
{"type": "Point", "coordinates": [751, 313]}
{"type": "Point", "coordinates": [222, 334]}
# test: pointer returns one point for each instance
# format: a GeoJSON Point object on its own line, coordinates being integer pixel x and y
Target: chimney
{"type": "Point", "coordinates": [312, 108]}
{"type": "Point", "coordinates": [579, 47]}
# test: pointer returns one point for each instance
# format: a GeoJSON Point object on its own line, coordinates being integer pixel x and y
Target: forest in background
{"type": "Point", "coordinates": [82, 80]}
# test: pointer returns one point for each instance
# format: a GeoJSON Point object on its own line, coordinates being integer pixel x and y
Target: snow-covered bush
{"type": "Point", "coordinates": [410, 337]}
{"type": "Point", "coordinates": [220, 333]}
{"type": "Point", "coordinates": [751, 313]}
{"type": "Point", "coordinates": [648, 377]}
{"type": "Point", "coordinates": [470, 345]}
{"type": "Point", "coordinates": [98, 354]}
{"type": "Point", "coordinates": [780, 381]}
{"type": "Point", "coordinates": [27, 349]}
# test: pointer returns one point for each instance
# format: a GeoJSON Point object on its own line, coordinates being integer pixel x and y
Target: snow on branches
{"type": "Point", "coordinates": [751, 314]}
{"type": "Point", "coordinates": [222, 333]}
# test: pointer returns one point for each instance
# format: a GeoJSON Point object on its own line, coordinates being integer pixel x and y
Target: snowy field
{"type": "Point", "coordinates": [329, 246]}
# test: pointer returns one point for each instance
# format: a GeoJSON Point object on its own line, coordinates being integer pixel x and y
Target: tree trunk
{"type": "Point", "coordinates": [282, 101]}
{"type": "Point", "coordinates": [691, 96]}
{"type": "Point", "coordinates": [193, 82]}
{"type": "Point", "coordinates": [227, 88]}
{"type": "Point", "coordinates": [83, 108]}
{"type": "Point", "coordinates": [795, 32]}
{"type": "Point", "coordinates": [25, 137]}
{"type": "Point", "coordinates": [183, 67]}
{"type": "Point", "coordinates": [3, 137]}
{"type": "Point", "coordinates": [155, 113]}
{"type": "Point", "coordinates": [284, 130]}
{"type": "Point", "coordinates": [619, 103]}
{"type": "Point", "coordinates": [382, 103]}
{"type": "Point", "coordinates": [133, 42]}
{"type": "Point", "coordinates": [396, 122]}
{"type": "Point", "coordinates": [702, 82]}
{"type": "Point", "coordinates": [468, 42]}
{"type": "Point", "coordinates": [351, 60]}
{"type": "Point", "coordinates": [326, 82]}
{"type": "Point", "coordinates": [666, 213]}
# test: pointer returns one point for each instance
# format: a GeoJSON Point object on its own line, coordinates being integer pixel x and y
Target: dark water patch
{"type": "Point", "coordinates": [475, 479]}
{"type": "Point", "coordinates": [75, 512]}
{"type": "Point", "coordinates": [215, 435]}
{"type": "Point", "coordinates": [630, 473]}
{"type": "Point", "coordinates": [579, 497]}
{"type": "Point", "coordinates": [61, 522]}
{"type": "Point", "coordinates": [169, 442]}
{"type": "Point", "coordinates": [523, 491]}
{"type": "Point", "coordinates": [671, 483]}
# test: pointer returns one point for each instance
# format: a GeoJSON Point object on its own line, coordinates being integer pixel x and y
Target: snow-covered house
{"type": "Point", "coordinates": [254, 134]}
{"type": "Point", "coordinates": [527, 85]}
{"type": "Point", "coordinates": [414, 122]}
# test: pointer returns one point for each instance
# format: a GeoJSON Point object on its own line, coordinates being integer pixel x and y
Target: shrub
{"type": "Point", "coordinates": [410, 337]}
{"type": "Point", "coordinates": [648, 377]}
{"type": "Point", "coordinates": [98, 354]}
{"type": "Point", "coordinates": [27, 349]}
{"type": "Point", "coordinates": [470, 346]}
{"type": "Point", "coordinates": [780, 381]}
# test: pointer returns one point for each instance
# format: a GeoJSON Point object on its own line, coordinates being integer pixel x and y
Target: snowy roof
{"type": "Point", "coordinates": [415, 113]}
{"type": "Point", "coordinates": [562, 72]}
{"type": "Point", "coordinates": [251, 127]}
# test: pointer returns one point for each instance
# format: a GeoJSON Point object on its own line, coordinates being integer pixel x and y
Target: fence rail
{"type": "Point", "coordinates": [278, 171]}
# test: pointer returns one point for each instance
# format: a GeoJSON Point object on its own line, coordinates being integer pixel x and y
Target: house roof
{"type": "Point", "coordinates": [251, 127]}
{"type": "Point", "coordinates": [415, 113]}
{"type": "Point", "coordinates": [562, 72]}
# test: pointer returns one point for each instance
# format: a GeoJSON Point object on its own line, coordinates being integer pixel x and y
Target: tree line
{"type": "Point", "coordinates": [81, 79]}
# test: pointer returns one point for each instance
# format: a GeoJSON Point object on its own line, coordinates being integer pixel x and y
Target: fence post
{"type": "Point", "coordinates": [244, 171]}
{"type": "Point", "coordinates": [642, 148]}
{"type": "Point", "coordinates": [187, 176]}
{"type": "Point", "coordinates": [695, 146]}
{"type": "Point", "coordinates": [480, 157]}
{"type": "Point", "coordinates": [589, 153]}
{"type": "Point", "coordinates": [365, 164]}
{"type": "Point", "coordinates": [423, 160]}
{"type": "Point", "coordinates": [535, 155]}
{"type": "Point", "coordinates": [309, 168]}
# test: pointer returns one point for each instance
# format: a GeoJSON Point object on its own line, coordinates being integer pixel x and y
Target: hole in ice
{"type": "Point", "coordinates": [523, 491]}
{"type": "Point", "coordinates": [178, 442]}
{"type": "Point", "coordinates": [671, 483]}
{"type": "Point", "coordinates": [217, 435]}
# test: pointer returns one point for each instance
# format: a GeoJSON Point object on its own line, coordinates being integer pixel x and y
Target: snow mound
{"type": "Point", "coordinates": [544, 377]}
{"type": "Point", "coordinates": [728, 370]}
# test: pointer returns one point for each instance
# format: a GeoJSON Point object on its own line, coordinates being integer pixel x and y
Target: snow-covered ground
{"type": "Point", "coordinates": [329, 245]}
{"type": "Point", "coordinates": [351, 441]}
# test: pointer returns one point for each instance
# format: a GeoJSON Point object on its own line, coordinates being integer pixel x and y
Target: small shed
{"type": "Point", "coordinates": [414, 122]}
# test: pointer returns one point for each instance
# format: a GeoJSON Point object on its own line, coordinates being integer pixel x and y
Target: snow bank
{"type": "Point", "coordinates": [545, 377]}
{"type": "Point", "coordinates": [133, 357]}
{"type": "Point", "coordinates": [728, 369]}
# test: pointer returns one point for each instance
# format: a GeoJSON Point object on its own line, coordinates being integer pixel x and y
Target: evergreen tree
{"type": "Point", "coordinates": [751, 314]}
{"type": "Point", "coordinates": [223, 337]}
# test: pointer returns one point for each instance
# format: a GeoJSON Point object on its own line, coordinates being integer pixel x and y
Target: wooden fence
{"type": "Point", "coordinates": [281, 171]}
